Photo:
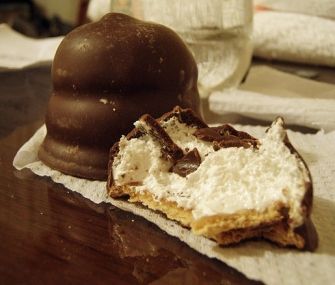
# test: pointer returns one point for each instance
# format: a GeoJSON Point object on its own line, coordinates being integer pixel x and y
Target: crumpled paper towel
{"type": "Point", "coordinates": [258, 259]}
{"type": "Point", "coordinates": [268, 93]}
{"type": "Point", "coordinates": [18, 51]}
{"type": "Point", "coordinates": [294, 37]}
{"type": "Point", "coordinates": [321, 8]}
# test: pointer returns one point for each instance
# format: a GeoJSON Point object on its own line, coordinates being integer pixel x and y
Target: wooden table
{"type": "Point", "coordinates": [50, 235]}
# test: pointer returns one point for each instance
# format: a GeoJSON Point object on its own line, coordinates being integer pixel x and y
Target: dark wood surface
{"type": "Point", "coordinates": [50, 235]}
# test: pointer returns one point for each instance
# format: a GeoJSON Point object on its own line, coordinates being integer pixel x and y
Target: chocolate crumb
{"type": "Point", "coordinates": [234, 143]}
{"type": "Point", "coordinates": [187, 164]}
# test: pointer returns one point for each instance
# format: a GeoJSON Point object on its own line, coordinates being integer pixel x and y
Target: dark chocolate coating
{"type": "Point", "coordinates": [307, 230]}
{"type": "Point", "coordinates": [105, 76]}
{"type": "Point", "coordinates": [187, 164]}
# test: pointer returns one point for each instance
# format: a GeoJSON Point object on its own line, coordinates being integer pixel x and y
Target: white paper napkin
{"type": "Point", "coordinates": [258, 260]}
{"type": "Point", "coordinates": [294, 37]}
{"type": "Point", "coordinates": [18, 51]}
{"type": "Point", "coordinates": [321, 8]}
{"type": "Point", "coordinates": [268, 93]}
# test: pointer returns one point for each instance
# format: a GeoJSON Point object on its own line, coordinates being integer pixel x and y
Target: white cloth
{"type": "Point", "coordinates": [321, 8]}
{"type": "Point", "coordinates": [294, 37]}
{"type": "Point", "coordinates": [258, 260]}
{"type": "Point", "coordinates": [268, 93]}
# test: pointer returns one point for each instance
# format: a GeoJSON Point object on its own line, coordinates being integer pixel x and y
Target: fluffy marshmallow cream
{"type": "Point", "coordinates": [227, 181]}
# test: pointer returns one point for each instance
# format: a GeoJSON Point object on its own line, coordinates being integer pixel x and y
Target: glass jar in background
{"type": "Point", "coordinates": [218, 32]}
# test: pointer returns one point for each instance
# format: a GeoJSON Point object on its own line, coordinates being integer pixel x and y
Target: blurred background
{"type": "Point", "coordinates": [256, 59]}
{"type": "Point", "coordinates": [43, 18]}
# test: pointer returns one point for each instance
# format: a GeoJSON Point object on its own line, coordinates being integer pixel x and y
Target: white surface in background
{"type": "Point", "coordinates": [18, 51]}
{"type": "Point", "coordinates": [294, 37]}
{"type": "Point", "coordinates": [268, 93]}
{"type": "Point", "coordinates": [321, 8]}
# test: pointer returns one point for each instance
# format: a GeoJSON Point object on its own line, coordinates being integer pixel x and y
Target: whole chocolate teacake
{"type": "Point", "coordinates": [105, 75]}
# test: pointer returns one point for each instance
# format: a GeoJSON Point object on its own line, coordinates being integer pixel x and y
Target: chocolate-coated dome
{"type": "Point", "coordinates": [106, 75]}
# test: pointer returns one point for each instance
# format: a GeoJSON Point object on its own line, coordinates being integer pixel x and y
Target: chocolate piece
{"type": "Point", "coordinates": [187, 164]}
{"type": "Point", "coordinates": [226, 136]}
{"type": "Point", "coordinates": [105, 75]}
{"type": "Point", "coordinates": [235, 142]}
{"type": "Point", "coordinates": [170, 150]}
{"type": "Point", "coordinates": [186, 116]}
{"type": "Point", "coordinates": [211, 134]}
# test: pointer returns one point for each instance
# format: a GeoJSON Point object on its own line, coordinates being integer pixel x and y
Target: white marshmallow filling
{"type": "Point", "coordinates": [227, 181]}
